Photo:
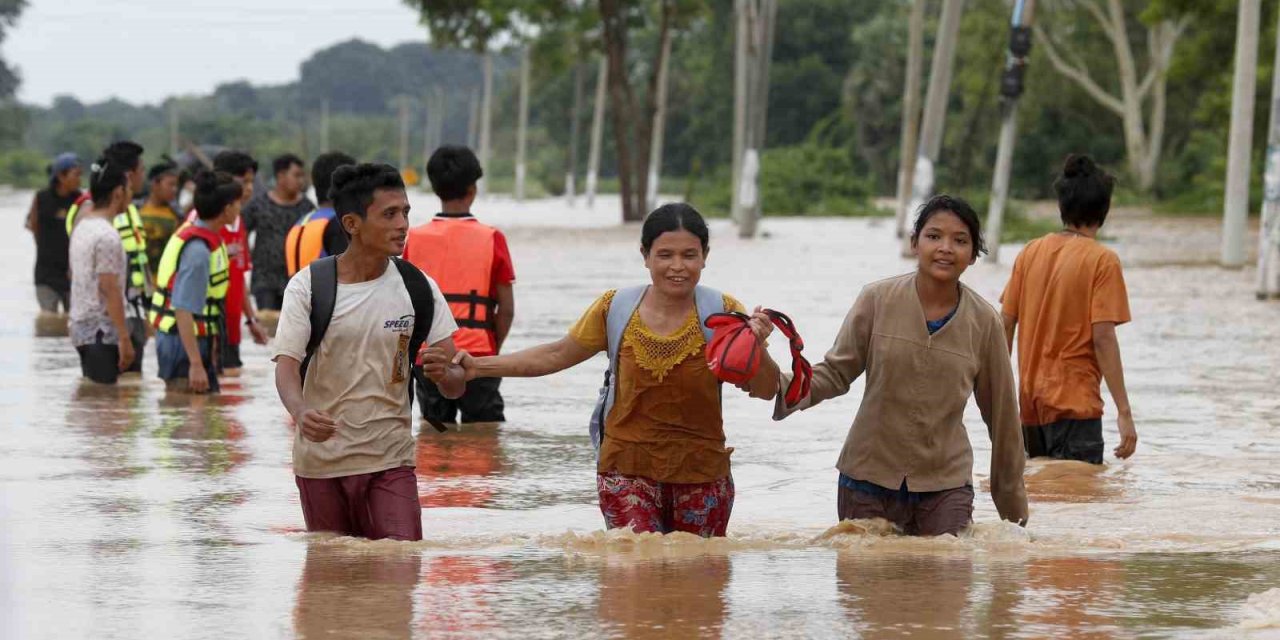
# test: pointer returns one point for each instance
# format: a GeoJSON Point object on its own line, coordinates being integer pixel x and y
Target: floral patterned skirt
{"type": "Point", "coordinates": [649, 506]}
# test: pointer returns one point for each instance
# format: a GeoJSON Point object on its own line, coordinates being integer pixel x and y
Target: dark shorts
{"type": "Point", "coordinates": [138, 336]}
{"type": "Point", "coordinates": [482, 402]}
{"type": "Point", "coordinates": [50, 299]}
{"type": "Point", "coordinates": [921, 513]}
{"type": "Point", "coordinates": [100, 362]}
{"type": "Point", "coordinates": [376, 505]}
{"type": "Point", "coordinates": [268, 298]}
{"type": "Point", "coordinates": [174, 365]}
{"type": "Point", "coordinates": [1066, 440]}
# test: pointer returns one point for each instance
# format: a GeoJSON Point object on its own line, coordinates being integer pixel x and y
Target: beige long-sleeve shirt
{"type": "Point", "coordinates": [910, 426]}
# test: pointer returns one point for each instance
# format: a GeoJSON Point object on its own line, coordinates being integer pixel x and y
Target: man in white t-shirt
{"type": "Point", "coordinates": [353, 453]}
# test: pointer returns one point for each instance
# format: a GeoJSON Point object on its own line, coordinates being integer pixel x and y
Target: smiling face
{"type": "Point", "coordinates": [945, 247]}
{"type": "Point", "coordinates": [675, 262]}
{"type": "Point", "coordinates": [385, 224]}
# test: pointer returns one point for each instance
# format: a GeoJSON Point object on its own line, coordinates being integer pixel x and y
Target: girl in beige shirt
{"type": "Point", "coordinates": [926, 343]}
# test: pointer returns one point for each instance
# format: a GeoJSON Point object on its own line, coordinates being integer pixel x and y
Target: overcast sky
{"type": "Point", "coordinates": [144, 50]}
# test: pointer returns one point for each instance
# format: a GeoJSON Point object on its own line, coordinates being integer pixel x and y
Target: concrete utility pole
{"type": "Point", "coordinates": [657, 131]}
{"type": "Point", "coordinates": [324, 125]}
{"type": "Point", "coordinates": [522, 127]}
{"type": "Point", "coordinates": [1269, 230]}
{"type": "Point", "coordinates": [429, 102]}
{"type": "Point", "coordinates": [473, 123]}
{"type": "Point", "coordinates": [437, 128]}
{"type": "Point", "coordinates": [575, 127]}
{"type": "Point", "coordinates": [910, 111]}
{"type": "Point", "coordinates": [755, 45]}
{"type": "Point", "coordinates": [742, 29]}
{"type": "Point", "coordinates": [174, 141]}
{"type": "Point", "coordinates": [935, 110]}
{"type": "Point", "coordinates": [597, 132]}
{"type": "Point", "coordinates": [1236, 206]}
{"type": "Point", "coordinates": [404, 133]}
{"type": "Point", "coordinates": [486, 111]}
{"type": "Point", "coordinates": [1010, 88]}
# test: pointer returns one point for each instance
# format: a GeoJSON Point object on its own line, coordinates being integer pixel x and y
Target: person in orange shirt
{"type": "Point", "coordinates": [471, 263]}
{"type": "Point", "coordinates": [1064, 300]}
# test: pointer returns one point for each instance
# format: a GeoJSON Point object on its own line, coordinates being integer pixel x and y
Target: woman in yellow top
{"type": "Point", "coordinates": [662, 464]}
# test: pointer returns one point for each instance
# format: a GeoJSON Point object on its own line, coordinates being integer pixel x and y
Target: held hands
{"type": "Point", "coordinates": [761, 325]}
{"type": "Point", "coordinates": [436, 364]}
{"type": "Point", "coordinates": [316, 426]}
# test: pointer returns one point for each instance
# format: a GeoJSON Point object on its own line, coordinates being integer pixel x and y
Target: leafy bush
{"type": "Point", "coordinates": [23, 168]}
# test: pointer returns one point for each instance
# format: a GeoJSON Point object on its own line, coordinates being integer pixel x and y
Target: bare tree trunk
{"type": "Point", "coordinates": [631, 124]}
{"type": "Point", "coordinates": [575, 127]}
{"type": "Point", "coordinates": [1143, 132]}
{"type": "Point", "coordinates": [621, 100]}
{"type": "Point", "coordinates": [597, 131]}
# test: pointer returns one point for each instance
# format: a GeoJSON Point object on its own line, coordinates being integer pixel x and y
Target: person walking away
{"type": "Point", "coordinates": [926, 343]}
{"type": "Point", "coordinates": [661, 465]}
{"type": "Point", "coordinates": [159, 218]}
{"type": "Point", "coordinates": [317, 234]}
{"type": "Point", "coordinates": [194, 281]}
{"type": "Point", "coordinates": [473, 266]}
{"type": "Point", "coordinates": [46, 220]}
{"type": "Point", "coordinates": [99, 271]}
{"type": "Point", "coordinates": [1064, 299]}
{"type": "Point", "coordinates": [269, 217]}
{"type": "Point", "coordinates": [244, 169]}
{"type": "Point", "coordinates": [346, 379]}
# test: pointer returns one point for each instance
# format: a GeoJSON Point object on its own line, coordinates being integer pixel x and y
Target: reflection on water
{"type": "Point", "coordinates": [129, 512]}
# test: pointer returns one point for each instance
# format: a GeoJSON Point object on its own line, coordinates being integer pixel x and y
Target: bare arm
{"type": "Point", "coordinates": [316, 426]}
{"type": "Point", "coordinates": [1107, 348]}
{"type": "Point", "coordinates": [542, 360]}
{"type": "Point", "coordinates": [109, 289]}
{"type": "Point", "coordinates": [505, 315]}
{"type": "Point", "coordinates": [1010, 326]}
{"type": "Point", "coordinates": [33, 221]}
{"type": "Point", "coordinates": [187, 332]}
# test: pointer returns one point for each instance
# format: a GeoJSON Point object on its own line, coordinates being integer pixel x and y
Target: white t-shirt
{"type": "Point", "coordinates": [95, 250]}
{"type": "Point", "coordinates": [359, 374]}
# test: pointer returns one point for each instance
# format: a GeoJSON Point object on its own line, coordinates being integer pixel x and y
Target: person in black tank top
{"type": "Point", "coordinates": [47, 222]}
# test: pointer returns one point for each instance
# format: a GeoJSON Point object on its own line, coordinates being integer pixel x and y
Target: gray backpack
{"type": "Point", "coordinates": [624, 305]}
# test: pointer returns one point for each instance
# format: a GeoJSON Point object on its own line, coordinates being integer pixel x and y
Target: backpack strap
{"type": "Point", "coordinates": [324, 295]}
{"type": "Point", "coordinates": [710, 301]}
{"type": "Point", "coordinates": [424, 306]}
{"type": "Point", "coordinates": [621, 308]}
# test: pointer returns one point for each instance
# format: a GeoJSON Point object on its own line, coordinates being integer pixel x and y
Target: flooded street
{"type": "Point", "coordinates": [126, 513]}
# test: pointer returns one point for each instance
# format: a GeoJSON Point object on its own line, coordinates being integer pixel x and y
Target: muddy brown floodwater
{"type": "Point", "coordinates": [125, 513]}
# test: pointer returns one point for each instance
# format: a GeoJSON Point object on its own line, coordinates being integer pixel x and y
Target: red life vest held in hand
{"type": "Point", "coordinates": [733, 354]}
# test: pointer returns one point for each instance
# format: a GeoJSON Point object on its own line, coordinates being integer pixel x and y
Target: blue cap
{"type": "Point", "coordinates": [63, 162]}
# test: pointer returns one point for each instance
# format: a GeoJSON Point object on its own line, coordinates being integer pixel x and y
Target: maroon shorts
{"type": "Point", "coordinates": [649, 506]}
{"type": "Point", "coordinates": [925, 514]}
{"type": "Point", "coordinates": [376, 505]}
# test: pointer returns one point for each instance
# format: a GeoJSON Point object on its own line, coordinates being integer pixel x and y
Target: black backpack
{"type": "Point", "coordinates": [324, 295]}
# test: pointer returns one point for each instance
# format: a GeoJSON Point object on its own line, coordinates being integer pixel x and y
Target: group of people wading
{"type": "Point", "coordinates": [376, 313]}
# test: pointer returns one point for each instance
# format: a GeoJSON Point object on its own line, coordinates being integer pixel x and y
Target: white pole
{"type": "Point", "coordinates": [935, 109]}
{"type": "Point", "coordinates": [751, 214]}
{"type": "Point", "coordinates": [522, 126]}
{"type": "Point", "coordinates": [741, 78]}
{"type": "Point", "coordinates": [597, 132]}
{"type": "Point", "coordinates": [324, 125]}
{"type": "Point", "coordinates": [575, 127]}
{"type": "Point", "coordinates": [1236, 205]}
{"type": "Point", "coordinates": [1015, 65]}
{"type": "Point", "coordinates": [1269, 230]}
{"type": "Point", "coordinates": [910, 112]}
{"type": "Point", "coordinates": [486, 111]}
{"type": "Point", "coordinates": [174, 143]}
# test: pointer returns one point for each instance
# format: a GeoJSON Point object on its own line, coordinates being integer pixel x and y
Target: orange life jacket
{"type": "Point", "coordinates": [458, 254]}
{"type": "Point", "coordinates": [305, 242]}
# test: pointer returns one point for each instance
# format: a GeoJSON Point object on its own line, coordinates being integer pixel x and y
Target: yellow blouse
{"type": "Point", "coordinates": [665, 423]}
